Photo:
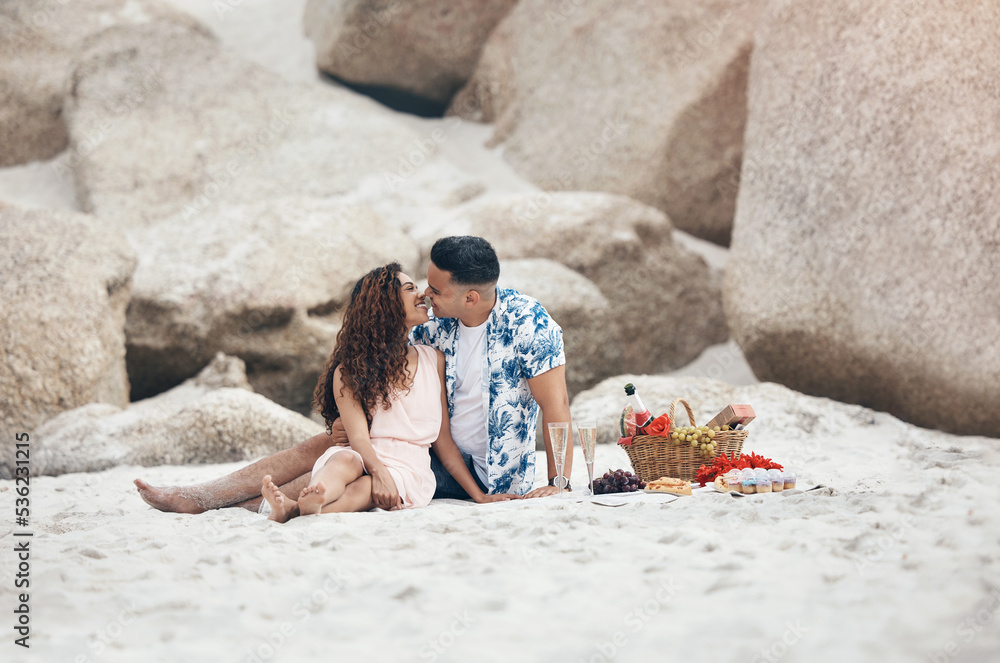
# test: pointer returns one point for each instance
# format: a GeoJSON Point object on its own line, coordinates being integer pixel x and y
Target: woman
{"type": "Point", "coordinates": [390, 397]}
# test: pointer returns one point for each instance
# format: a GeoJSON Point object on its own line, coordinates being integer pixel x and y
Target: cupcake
{"type": "Point", "coordinates": [789, 479]}
{"type": "Point", "coordinates": [777, 480]}
{"type": "Point", "coordinates": [763, 484]}
{"type": "Point", "coordinates": [749, 485]}
{"type": "Point", "coordinates": [734, 483]}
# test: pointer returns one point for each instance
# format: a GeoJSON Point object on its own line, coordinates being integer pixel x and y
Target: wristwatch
{"type": "Point", "coordinates": [560, 482]}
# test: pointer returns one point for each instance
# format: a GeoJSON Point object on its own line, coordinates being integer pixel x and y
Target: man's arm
{"type": "Point", "coordinates": [549, 391]}
{"type": "Point", "coordinates": [449, 455]}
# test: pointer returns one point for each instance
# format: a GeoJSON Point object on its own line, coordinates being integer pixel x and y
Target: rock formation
{"type": "Point", "coordinates": [867, 237]}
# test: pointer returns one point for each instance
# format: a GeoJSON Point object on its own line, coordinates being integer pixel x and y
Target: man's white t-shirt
{"type": "Point", "coordinates": [468, 424]}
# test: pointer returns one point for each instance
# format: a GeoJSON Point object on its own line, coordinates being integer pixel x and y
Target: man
{"type": "Point", "coordinates": [504, 360]}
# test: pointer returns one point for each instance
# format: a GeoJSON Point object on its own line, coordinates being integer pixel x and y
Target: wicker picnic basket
{"type": "Point", "coordinates": [654, 456]}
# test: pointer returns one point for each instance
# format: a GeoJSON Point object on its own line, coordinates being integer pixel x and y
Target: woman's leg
{"type": "Point", "coordinates": [239, 487]}
{"type": "Point", "coordinates": [282, 507]}
{"type": "Point", "coordinates": [291, 488]}
{"type": "Point", "coordinates": [330, 482]}
{"type": "Point", "coordinates": [357, 497]}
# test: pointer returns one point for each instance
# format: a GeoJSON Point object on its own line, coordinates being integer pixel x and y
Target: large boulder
{"type": "Point", "coordinates": [38, 41]}
{"type": "Point", "coordinates": [646, 99]}
{"type": "Point", "coordinates": [664, 305]}
{"type": "Point", "coordinates": [259, 281]}
{"type": "Point", "coordinates": [578, 305]}
{"type": "Point", "coordinates": [251, 199]}
{"type": "Point", "coordinates": [866, 245]}
{"type": "Point", "coordinates": [64, 284]}
{"type": "Point", "coordinates": [428, 48]}
{"type": "Point", "coordinates": [199, 128]}
{"type": "Point", "coordinates": [212, 418]}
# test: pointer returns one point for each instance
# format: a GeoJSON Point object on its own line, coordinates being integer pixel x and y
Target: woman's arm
{"type": "Point", "coordinates": [384, 492]}
{"type": "Point", "coordinates": [447, 451]}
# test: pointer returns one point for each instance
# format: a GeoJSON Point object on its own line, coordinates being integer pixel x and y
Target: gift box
{"type": "Point", "coordinates": [733, 415]}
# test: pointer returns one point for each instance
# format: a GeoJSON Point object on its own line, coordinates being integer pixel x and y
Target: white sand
{"type": "Point", "coordinates": [269, 32]}
{"type": "Point", "coordinates": [887, 564]}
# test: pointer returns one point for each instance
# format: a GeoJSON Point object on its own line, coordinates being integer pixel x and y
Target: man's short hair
{"type": "Point", "coordinates": [470, 260]}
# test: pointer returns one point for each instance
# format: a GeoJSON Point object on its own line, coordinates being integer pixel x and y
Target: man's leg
{"type": "Point", "coordinates": [447, 486]}
{"type": "Point", "coordinates": [242, 487]}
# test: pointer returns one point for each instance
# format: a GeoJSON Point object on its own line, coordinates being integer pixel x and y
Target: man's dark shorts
{"type": "Point", "coordinates": [447, 487]}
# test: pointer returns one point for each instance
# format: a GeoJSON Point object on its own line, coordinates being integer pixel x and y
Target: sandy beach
{"type": "Point", "coordinates": [894, 558]}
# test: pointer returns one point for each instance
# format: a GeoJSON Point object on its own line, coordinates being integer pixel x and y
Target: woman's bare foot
{"type": "Point", "coordinates": [169, 498]}
{"type": "Point", "coordinates": [312, 499]}
{"type": "Point", "coordinates": [282, 506]}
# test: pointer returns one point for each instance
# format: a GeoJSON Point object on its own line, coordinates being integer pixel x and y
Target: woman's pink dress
{"type": "Point", "coordinates": [403, 434]}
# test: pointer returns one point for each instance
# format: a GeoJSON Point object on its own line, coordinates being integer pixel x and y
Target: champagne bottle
{"type": "Point", "coordinates": [642, 415]}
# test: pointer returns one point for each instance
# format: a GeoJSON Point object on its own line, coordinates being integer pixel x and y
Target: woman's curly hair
{"type": "Point", "coordinates": [371, 346]}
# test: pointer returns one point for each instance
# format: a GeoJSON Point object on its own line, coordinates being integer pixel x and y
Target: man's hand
{"type": "Point", "coordinates": [339, 434]}
{"type": "Point", "coordinates": [384, 492]}
{"type": "Point", "coordinates": [501, 497]}
{"type": "Point", "coordinates": [544, 491]}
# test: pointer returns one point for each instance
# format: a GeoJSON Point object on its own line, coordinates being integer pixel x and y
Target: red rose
{"type": "Point", "coordinates": [659, 426]}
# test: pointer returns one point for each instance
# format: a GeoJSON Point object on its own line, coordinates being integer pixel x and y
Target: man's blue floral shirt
{"type": "Point", "coordinates": [522, 342]}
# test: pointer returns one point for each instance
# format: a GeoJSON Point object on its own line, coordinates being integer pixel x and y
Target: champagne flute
{"type": "Point", "coordinates": [558, 435]}
{"type": "Point", "coordinates": [588, 440]}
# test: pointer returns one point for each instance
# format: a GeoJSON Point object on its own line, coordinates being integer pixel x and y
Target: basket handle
{"type": "Point", "coordinates": [686, 407]}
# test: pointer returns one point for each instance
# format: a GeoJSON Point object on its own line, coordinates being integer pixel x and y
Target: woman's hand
{"type": "Point", "coordinates": [483, 498]}
{"type": "Point", "coordinates": [384, 492]}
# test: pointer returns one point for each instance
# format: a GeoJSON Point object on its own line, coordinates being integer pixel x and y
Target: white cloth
{"type": "Point", "coordinates": [468, 423]}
